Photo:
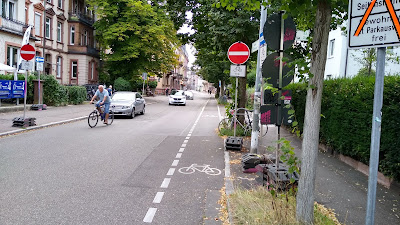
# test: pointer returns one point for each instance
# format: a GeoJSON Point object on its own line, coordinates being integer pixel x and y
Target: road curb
{"type": "Point", "coordinates": [41, 126]}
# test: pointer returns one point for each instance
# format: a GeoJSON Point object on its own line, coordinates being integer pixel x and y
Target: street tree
{"type": "Point", "coordinates": [215, 29]}
{"type": "Point", "coordinates": [135, 36]}
{"type": "Point", "coordinates": [367, 58]}
{"type": "Point", "coordinates": [319, 17]}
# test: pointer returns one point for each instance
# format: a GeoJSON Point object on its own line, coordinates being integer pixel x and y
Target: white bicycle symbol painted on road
{"type": "Point", "coordinates": [201, 168]}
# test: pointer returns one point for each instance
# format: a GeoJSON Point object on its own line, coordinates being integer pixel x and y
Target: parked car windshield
{"type": "Point", "coordinates": [123, 96]}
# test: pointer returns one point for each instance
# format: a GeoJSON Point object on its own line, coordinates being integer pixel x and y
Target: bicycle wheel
{"type": "Point", "coordinates": [186, 170]}
{"type": "Point", "coordinates": [93, 119]}
{"type": "Point", "coordinates": [225, 123]}
{"type": "Point", "coordinates": [110, 117]}
{"type": "Point", "coordinates": [212, 171]}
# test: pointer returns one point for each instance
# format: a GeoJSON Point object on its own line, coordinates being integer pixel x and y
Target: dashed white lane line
{"type": "Point", "coordinates": [171, 171]}
{"type": "Point", "coordinates": [158, 197]}
{"type": "Point", "coordinates": [150, 215]}
{"type": "Point", "coordinates": [175, 163]}
{"type": "Point", "coordinates": [165, 183]}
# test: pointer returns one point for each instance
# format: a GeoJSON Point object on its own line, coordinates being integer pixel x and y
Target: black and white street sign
{"type": "Point", "coordinates": [374, 23]}
{"type": "Point", "coordinates": [238, 70]}
{"type": "Point", "coordinates": [26, 65]}
{"type": "Point", "coordinates": [39, 66]}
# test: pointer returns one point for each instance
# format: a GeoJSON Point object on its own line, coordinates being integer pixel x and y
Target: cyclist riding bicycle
{"type": "Point", "coordinates": [104, 99]}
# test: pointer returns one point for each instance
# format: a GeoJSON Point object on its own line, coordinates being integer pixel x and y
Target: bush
{"type": "Point", "coordinates": [153, 84]}
{"type": "Point", "coordinates": [347, 106]}
{"type": "Point", "coordinates": [53, 93]}
{"type": "Point", "coordinates": [76, 94]}
{"type": "Point", "coordinates": [121, 84]}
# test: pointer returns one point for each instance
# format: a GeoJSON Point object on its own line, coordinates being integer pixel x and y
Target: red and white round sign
{"type": "Point", "coordinates": [28, 52]}
{"type": "Point", "coordinates": [238, 53]}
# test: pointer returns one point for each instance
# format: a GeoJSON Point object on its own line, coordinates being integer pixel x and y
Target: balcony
{"type": "Point", "coordinates": [81, 17]}
{"type": "Point", "coordinates": [12, 25]}
{"type": "Point", "coordinates": [83, 50]}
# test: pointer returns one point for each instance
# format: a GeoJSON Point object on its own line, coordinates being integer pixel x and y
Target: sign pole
{"type": "Point", "coordinates": [25, 91]}
{"type": "Point", "coordinates": [280, 89]}
{"type": "Point", "coordinates": [375, 135]}
{"type": "Point", "coordinates": [257, 92]}
{"type": "Point", "coordinates": [234, 117]}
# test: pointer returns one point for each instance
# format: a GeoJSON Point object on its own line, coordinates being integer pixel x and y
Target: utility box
{"type": "Point", "coordinates": [36, 95]}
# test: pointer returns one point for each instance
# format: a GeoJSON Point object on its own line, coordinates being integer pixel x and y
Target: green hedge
{"type": "Point", "coordinates": [54, 94]}
{"type": "Point", "coordinates": [347, 106]}
{"type": "Point", "coordinates": [76, 94]}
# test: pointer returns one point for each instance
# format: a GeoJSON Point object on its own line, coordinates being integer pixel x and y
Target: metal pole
{"type": "Point", "coordinates": [234, 117]}
{"type": "Point", "coordinates": [39, 89]}
{"type": "Point", "coordinates": [25, 91]}
{"type": "Point", "coordinates": [375, 135]}
{"type": "Point", "coordinates": [143, 88]}
{"type": "Point", "coordinates": [257, 93]}
{"type": "Point", "coordinates": [280, 88]}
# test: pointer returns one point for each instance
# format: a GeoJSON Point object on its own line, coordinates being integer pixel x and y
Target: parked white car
{"type": "Point", "coordinates": [177, 98]}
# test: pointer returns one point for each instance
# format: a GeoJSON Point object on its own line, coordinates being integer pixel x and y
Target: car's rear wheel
{"type": "Point", "coordinates": [143, 111]}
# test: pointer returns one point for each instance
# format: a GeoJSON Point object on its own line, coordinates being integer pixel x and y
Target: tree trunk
{"type": "Point", "coordinates": [305, 195]}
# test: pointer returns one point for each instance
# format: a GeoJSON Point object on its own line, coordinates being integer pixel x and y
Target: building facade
{"type": "Point", "coordinates": [178, 77]}
{"type": "Point", "coordinates": [62, 33]}
{"type": "Point", "coordinates": [344, 62]}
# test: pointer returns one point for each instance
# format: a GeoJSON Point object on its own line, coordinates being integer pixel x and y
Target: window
{"type": "Point", "coordinates": [47, 27]}
{"type": "Point", "coordinates": [85, 38]}
{"type": "Point", "coordinates": [58, 69]}
{"type": "Point", "coordinates": [92, 70]}
{"type": "Point", "coordinates": [72, 36]}
{"type": "Point", "coordinates": [74, 69]}
{"type": "Point", "coordinates": [59, 31]}
{"type": "Point", "coordinates": [331, 47]}
{"type": "Point", "coordinates": [8, 9]}
{"type": "Point", "coordinates": [38, 18]}
{"type": "Point", "coordinates": [60, 4]}
{"type": "Point", "coordinates": [12, 56]}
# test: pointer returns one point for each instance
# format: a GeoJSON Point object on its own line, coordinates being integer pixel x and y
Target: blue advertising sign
{"type": "Point", "coordinates": [18, 89]}
{"type": "Point", "coordinates": [5, 89]}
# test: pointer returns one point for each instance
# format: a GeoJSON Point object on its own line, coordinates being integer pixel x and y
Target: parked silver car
{"type": "Point", "coordinates": [189, 95]}
{"type": "Point", "coordinates": [128, 103]}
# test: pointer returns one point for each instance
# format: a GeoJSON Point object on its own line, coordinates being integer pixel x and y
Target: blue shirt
{"type": "Point", "coordinates": [102, 94]}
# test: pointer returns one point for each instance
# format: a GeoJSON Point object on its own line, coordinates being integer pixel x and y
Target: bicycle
{"type": "Point", "coordinates": [93, 117]}
{"type": "Point", "coordinates": [201, 168]}
{"type": "Point", "coordinates": [229, 123]}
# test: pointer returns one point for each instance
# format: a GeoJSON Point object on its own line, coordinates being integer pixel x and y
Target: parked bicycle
{"type": "Point", "coordinates": [229, 123]}
{"type": "Point", "coordinates": [93, 117]}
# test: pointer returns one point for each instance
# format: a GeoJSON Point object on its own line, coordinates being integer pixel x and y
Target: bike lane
{"type": "Point", "coordinates": [190, 198]}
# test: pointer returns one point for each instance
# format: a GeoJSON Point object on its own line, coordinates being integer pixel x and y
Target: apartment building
{"type": "Point", "coordinates": [62, 33]}
{"type": "Point", "coordinates": [178, 77]}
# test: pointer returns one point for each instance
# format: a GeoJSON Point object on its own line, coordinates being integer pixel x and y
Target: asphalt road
{"type": "Point", "coordinates": [132, 172]}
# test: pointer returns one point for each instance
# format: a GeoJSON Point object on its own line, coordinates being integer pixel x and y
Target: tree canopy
{"type": "Point", "coordinates": [214, 31]}
{"type": "Point", "coordinates": [137, 37]}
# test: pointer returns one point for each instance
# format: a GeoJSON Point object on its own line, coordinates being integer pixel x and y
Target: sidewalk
{"type": "Point", "coordinates": [51, 116]}
{"type": "Point", "coordinates": [338, 186]}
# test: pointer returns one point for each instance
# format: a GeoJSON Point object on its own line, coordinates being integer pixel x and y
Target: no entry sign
{"type": "Point", "coordinates": [27, 52]}
{"type": "Point", "coordinates": [238, 53]}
